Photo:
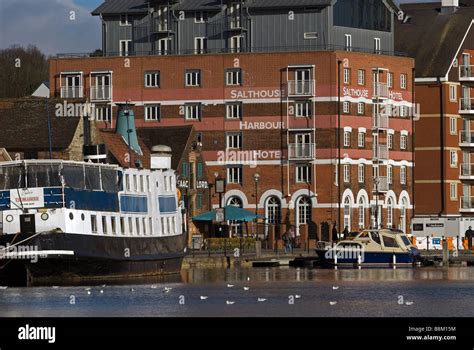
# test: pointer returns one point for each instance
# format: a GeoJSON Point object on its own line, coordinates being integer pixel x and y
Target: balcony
{"type": "Point", "coordinates": [161, 26]}
{"type": "Point", "coordinates": [235, 24]}
{"type": "Point", "coordinates": [466, 74]}
{"type": "Point", "coordinates": [467, 204]}
{"type": "Point", "coordinates": [381, 184]}
{"type": "Point", "coordinates": [301, 88]}
{"type": "Point", "coordinates": [380, 121]}
{"type": "Point", "coordinates": [466, 106]}
{"type": "Point", "coordinates": [101, 93]}
{"type": "Point", "coordinates": [467, 172]}
{"type": "Point", "coordinates": [380, 153]}
{"type": "Point", "coordinates": [466, 139]}
{"type": "Point", "coordinates": [380, 91]}
{"type": "Point", "coordinates": [301, 151]}
{"type": "Point", "coordinates": [71, 92]}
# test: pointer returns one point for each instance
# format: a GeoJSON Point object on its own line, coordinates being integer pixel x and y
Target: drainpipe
{"type": "Point", "coordinates": [442, 145]}
{"type": "Point", "coordinates": [339, 63]}
{"type": "Point", "coordinates": [413, 113]}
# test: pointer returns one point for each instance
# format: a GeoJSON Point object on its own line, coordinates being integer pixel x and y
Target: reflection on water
{"type": "Point", "coordinates": [204, 292]}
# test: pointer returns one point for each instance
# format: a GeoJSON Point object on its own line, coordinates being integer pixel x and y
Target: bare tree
{"type": "Point", "coordinates": [22, 71]}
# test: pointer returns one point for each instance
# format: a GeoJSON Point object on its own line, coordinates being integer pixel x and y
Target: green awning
{"type": "Point", "coordinates": [231, 214]}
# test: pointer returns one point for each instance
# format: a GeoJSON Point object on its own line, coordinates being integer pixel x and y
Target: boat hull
{"type": "Point", "coordinates": [369, 258]}
{"type": "Point", "coordinates": [61, 258]}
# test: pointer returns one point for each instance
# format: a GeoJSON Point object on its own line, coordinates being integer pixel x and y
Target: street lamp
{"type": "Point", "coordinates": [256, 178]}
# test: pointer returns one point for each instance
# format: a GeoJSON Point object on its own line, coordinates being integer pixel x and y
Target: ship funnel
{"type": "Point", "coordinates": [126, 127]}
{"type": "Point", "coordinates": [160, 157]}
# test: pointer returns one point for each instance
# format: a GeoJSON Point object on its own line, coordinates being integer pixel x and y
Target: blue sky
{"type": "Point", "coordinates": [47, 24]}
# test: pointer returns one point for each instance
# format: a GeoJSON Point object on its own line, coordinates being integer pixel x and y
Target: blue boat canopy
{"type": "Point", "coordinates": [231, 214]}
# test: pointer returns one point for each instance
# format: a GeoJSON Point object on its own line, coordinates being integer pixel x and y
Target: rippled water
{"type": "Point", "coordinates": [434, 292]}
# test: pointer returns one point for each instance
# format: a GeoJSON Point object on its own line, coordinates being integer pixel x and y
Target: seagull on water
{"type": "Point", "coordinates": [101, 291]}
{"type": "Point", "coordinates": [154, 286]}
{"type": "Point", "coordinates": [332, 303]}
{"type": "Point", "coordinates": [230, 286]}
{"type": "Point", "coordinates": [88, 292]}
{"type": "Point", "coordinates": [230, 302]}
{"type": "Point", "coordinates": [3, 287]}
{"type": "Point", "coordinates": [132, 289]}
{"type": "Point", "coordinates": [409, 303]}
{"type": "Point", "coordinates": [246, 288]}
{"type": "Point", "coordinates": [167, 289]}
{"type": "Point", "coordinates": [88, 288]}
{"type": "Point", "coordinates": [261, 299]}
{"type": "Point", "coordinates": [335, 288]}
{"type": "Point", "coordinates": [203, 297]}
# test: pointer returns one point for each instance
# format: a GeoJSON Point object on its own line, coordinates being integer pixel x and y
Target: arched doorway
{"type": "Point", "coordinates": [362, 206]}
{"type": "Point", "coordinates": [235, 227]}
{"type": "Point", "coordinates": [303, 212]}
{"type": "Point", "coordinates": [403, 215]}
{"type": "Point", "coordinates": [273, 210]}
{"type": "Point", "coordinates": [347, 213]}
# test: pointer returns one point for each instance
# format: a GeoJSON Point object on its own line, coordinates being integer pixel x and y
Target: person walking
{"type": "Point", "coordinates": [469, 235]}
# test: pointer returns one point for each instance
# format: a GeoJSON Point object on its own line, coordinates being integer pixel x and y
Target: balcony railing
{"type": "Point", "coordinates": [467, 204]}
{"type": "Point", "coordinates": [301, 151]}
{"type": "Point", "coordinates": [466, 73]}
{"type": "Point", "coordinates": [380, 152]}
{"type": "Point", "coordinates": [235, 23]}
{"type": "Point", "coordinates": [160, 25]}
{"type": "Point", "coordinates": [381, 184]}
{"type": "Point", "coordinates": [71, 92]}
{"type": "Point", "coordinates": [467, 172]}
{"type": "Point", "coordinates": [101, 93]}
{"type": "Point", "coordinates": [466, 106]}
{"type": "Point", "coordinates": [466, 138]}
{"type": "Point", "coordinates": [380, 121]}
{"type": "Point", "coordinates": [301, 88]}
{"type": "Point", "coordinates": [380, 91]}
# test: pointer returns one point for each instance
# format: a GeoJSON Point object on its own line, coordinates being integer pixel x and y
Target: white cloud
{"type": "Point", "coordinates": [47, 24]}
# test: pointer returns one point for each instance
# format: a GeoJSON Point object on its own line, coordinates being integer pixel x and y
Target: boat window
{"type": "Point", "coordinates": [43, 175]}
{"type": "Point", "coordinates": [130, 226]}
{"type": "Point", "coordinates": [406, 241]}
{"type": "Point", "coordinates": [135, 184]}
{"type": "Point", "coordinates": [389, 242]}
{"type": "Point", "coordinates": [74, 176]}
{"type": "Point", "coordinates": [122, 225]}
{"type": "Point", "coordinates": [144, 226]}
{"type": "Point", "coordinates": [12, 177]}
{"type": "Point", "coordinates": [104, 224]}
{"type": "Point", "coordinates": [141, 184]}
{"type": "Point", "coordinates": [137, 222]}
{"type": "Point", "coordinates": [114, 227]}
{"type": "Point", "coordinates": [148, 183]}
{"type": "Point", "coordinates": [94, 223]}
{"type": "Point", "coordinates": [93, 178]}
{"type": "Point", "coordinates": [150, 225]}
{"type": "Point", "coordinates": [375, 237]}
{"type": "Point", "coordinates": [110, 180]}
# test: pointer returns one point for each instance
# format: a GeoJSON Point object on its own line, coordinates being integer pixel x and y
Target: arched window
{"type": "Point", "coordinates": [235, 201]}
{"type": "Point", "coordinates": [403, 215]}
{"type": "Point", "coordinates": [273, 210]}
{"type": "Point", "coordinates": [361, 213]}
{"type": "Point", "coordinates": [389, 213]}
{"type": "Point", "coordinates": [235, 227]}
{"type": "Point", "coordinates": [347, 213]}
{"type": "Point", "coordinates": [303, 210]}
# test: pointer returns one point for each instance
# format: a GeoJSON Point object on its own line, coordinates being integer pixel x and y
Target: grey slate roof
{"type": "Point", "coordinates": [432, 38]}
{"type": "Point", "coordinates": [122, 6]}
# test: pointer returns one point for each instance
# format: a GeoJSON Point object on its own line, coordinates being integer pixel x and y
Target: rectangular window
{"type": "Point", "coordinates": [347, 76]}
{"type": "Point", "coordinates": [234, 140]}
{"type": "Point", "coordinates": [164, 229]}
{"type": "Point", "coordinates": [199, 171]}
{"type": "Point", "coordinates": [390, 141]}
{"type": "Point", "coordinates": [125, 47]}
{"type": "Point", "coordinates": [144, 226]}
{"type": "Point", "coordinates": [403, 81]}
{"type": "Point", "coordinates": [103, 113]}
{"type": "Point", "coordinates": [113, 224]}
{"type": "Point", "coordinates": [361, 108]}
{"type": "Point", "coordinates": [234, 175]}
{"type": "Point", "coordinates": [233, 77]}
{"type": "Point", "coordinates": [453, 159]}
{"type": "Point", "coordinates": [347, 139]}
{"type": "Point", "coordinates": [235, 44]}
{"type": "Point", "coordinates": [303, 173]}
{"type": "Point", "coordinates": [142, 184]}
{"type": "Point", "coordinates": [453, 93]}
{"type": "Point", "coordinates": [346, 107]}
{"type": "Point", "coordinates": [200, 17]}
{"type": "Point", "coordinates": [193, 111]}
{"type": "Point", "coordinates": [104, 224]}
{"type": "Point", "coordinates": [234, 110]}
{"type": "Point", "coordinates": [164, 47]}
{"type": "Point", "coordinates": [137, 224]}
{"type": "Point", "coordinates": [94, 223]}
{"type": "Point", "coordinates": [124, 20]}
{"type": "Point", "coordinates": [152, 112]}
{"type": "Point", "coordinates": [403, 142]}
{"type": "Point", "coordinates": [348, 42]}
{"type": "Point", "coordinates": [199, 201]}
{"type": "Point", "coordinates": [453, 126]}
{"type": "Point", "coordinates": [377, 45]}
{"type": "Point", "coordinates": [453, 191]}
{"type": "Point", "coordinates": [403, 175]}
{"type": "Point", "coordinates": [130, 226]}
{"type": "Point", "coordinates": [122, 225]}
{"type": "Point", "coordinates": [361, 140]}
{"type": "Point", "coordinates": [193, 78]}
{"type": "Point", "coordinates": [390, 80]}
{"type": "Point", "coordinates": [347, 173]}
{"type": "Point", "coordinates": [389, 174]}
{"type": "Point", "coordinates": [361, 173]}
{"type": "Point", "coordinates": [303, 109]}
{"type": "Point", "coordinates": [200, 45]}
{"type": "Point", "coordinates": [152, 79]}
{"type": "Point", "coordinates": [184, 169]}
{"type": "Point", "coordinates": [150, 225]}
{"type": "Point", "coordinates": [361, 77]}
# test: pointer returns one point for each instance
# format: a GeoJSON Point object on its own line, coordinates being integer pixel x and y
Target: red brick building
{"type": "Point", "coordinates": [277, 116]}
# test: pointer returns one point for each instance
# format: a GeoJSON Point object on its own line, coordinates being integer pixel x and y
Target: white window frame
{"type": "Point", "coordinates": [453, 126]}
{"type": "Point", "coordinates": [234, 174]}
{"type": "Point", "coordinates": [346, 107]}
{"type": "Point", "coordinates": [347, 76]}
{"type": "Point", "coordinates": [303, 173]}
{"type": "Point", "coordinates": [361, 140]}
{"type": "Point", "coordinates": [348, 42]}
{"type": "Point", "coordinates": [377, 45]}
{"type": "Point", "coordinates": [453, 159]}
{"type": "Point", "coordinates": [303, 109]}
{"type": "Point", "coordinates": [453, 93]}
{"type": "Point", "coordinates": [390, 174]}
{"type": "Point", "coordinates": [403, 175]}
{"type": "Point", "coordinates": [235, 43]}
{"type": "Point", "coordinates": [233, 77]}
{"type": "Point", "coordinates": [390, 80]}
{"type": "Point", "coordinates": [192, 111]}
{"type": "Point", "coordinates": [103, 113]}
{"type": "Point", "coordinates": [403, 81]}
{"type": "Point", "coordinates": [453, 191]}
{"type": "Point", "coordinates": [126, 52]}
{"type": "Point", "coordinates": [192, 78]}
{"type": "Point", "coordinates": [200, 17]}
{"type": "Point", "coordinates": [361, 173]}
{"type": "Point", "coordinates": [347, 173]}
{"type": "Point", "coordinates": [390, 141]}
{"type": "Point", "coordinates": [200, 45]}
{"type": "Point", "coordinates": [234, 140]}
{"type": "Point", "coordinates": [361, 108]}
{"type": "Point", "coordinates": [152, 79]}
{"type": "Point", "coordinates": [361, 77]}
{"type": "Point", "coordinates": [152, 112]}
{"type": "Point", "coordinates": [127, 21]}
{"type": "Point", "coordinates": [234, 110]}
{"type": "Point", "coordinates": [403, 142]}
{"type": "Point", "coordinates": [347, 139]}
